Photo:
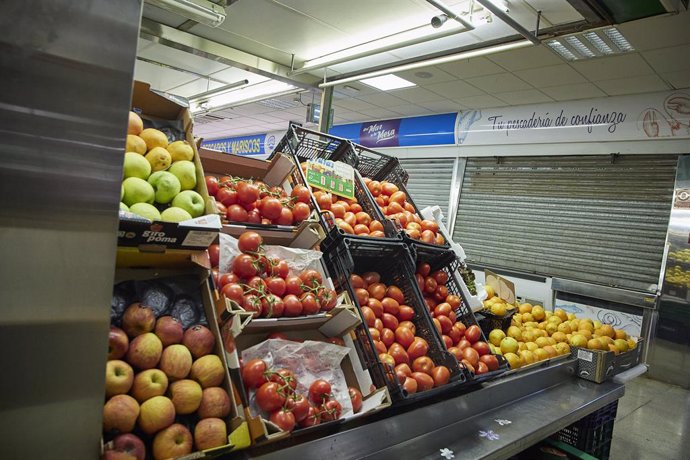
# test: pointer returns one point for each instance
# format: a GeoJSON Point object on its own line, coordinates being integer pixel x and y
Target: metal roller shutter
{"type": "Point", "coordinates": [430, 181]}
{"type": "Point", "coordinates": [591, 218]}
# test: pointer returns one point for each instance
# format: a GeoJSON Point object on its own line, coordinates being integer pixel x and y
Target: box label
{"type": "Point", "coordinates": [196, 238]}
{"type": "Point", "coordinates": [585, 355]}
{"type": "Point", "coordinates": [335, 177]}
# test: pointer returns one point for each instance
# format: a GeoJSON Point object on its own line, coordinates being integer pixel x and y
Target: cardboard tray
{"type": "Point", "coordinates": [277, 171]}
{"type": "Point", "coordinates": [194, 234]}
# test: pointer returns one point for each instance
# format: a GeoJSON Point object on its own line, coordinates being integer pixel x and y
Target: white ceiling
{"type": "Point", "coordinates": [523, 76]}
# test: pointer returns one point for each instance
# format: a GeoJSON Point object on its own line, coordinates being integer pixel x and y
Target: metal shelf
{"type": "Point", "coordinates": [537, 404]}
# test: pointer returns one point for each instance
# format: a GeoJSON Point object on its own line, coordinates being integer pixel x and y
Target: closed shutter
{"type": "Point", "coordinates": [591, 218]}
{"type": "Point", "coordinates": [430, 181]}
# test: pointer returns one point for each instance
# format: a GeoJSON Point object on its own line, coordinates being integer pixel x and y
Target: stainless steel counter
{"type": "Point", "coordinates": [495, 421]}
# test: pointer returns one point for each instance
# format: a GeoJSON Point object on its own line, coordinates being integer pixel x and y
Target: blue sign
{"type": "Point", "coordinates": [402, 132]}
{"type": "Point", "coordinates": [244, 145]}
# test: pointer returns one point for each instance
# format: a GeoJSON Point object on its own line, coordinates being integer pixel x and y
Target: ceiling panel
{"type": "Point", "coordinates": [678, 79]}
{"type": "Point", "coordinates": [658, 32]}
{"type": "Point", "coordinates": [608, 68]}
{"type": "Point", "coordinates": [379, 114]}
{"type": "Point", "coordinates": [480, 102]}
{"type": "Point", "coordinates": [526, 58]}
{"type": "Point", "coordinates": [633, 85]}
{"type": "Point", "coordinates": [384, 99]}
{"type": "Point", "coordinates": [353, 104]}
{"type": "Point", "coordinates": [530, 96]}
{"type": "Point", "coordinates": [555, 75]}
{"type": "Point", "coordinates": [410, 110]}
{"type": "Point", "coordinates": [499, 82]}
{"type": "Point", "coordinates": [475, 67]}
{"type": "Point", "coordinates": [443, 106]}
{"type": "Point", "coordinates": [417, 94]}
{"type": "Point", "coordinates": [160, 78]}
{"type": "Point", "coordinates": [574, 91]}
{"type": "Point", "coordinates": [555, 12]}
{"type": "Point", "coordinates": [455, 89]}
{"type": "Point", "coordinates": [426, 76]}
{"type": "Point", "coordinates": [669, 59]}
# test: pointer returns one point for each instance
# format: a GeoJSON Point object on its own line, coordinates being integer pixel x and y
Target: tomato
{"type": "Point", "coordinates": [310, 304]}
{"type": "Point", "coordinates": [402, 371]}
{"type": "Point", "coordinates": [424, 381]}
{"type": "Point", "coordinates": [357, 282]}
{"type": "Point", "coordinates": [398, 197]}
{"type": "Point", "coordinates": [455, 351]}
{"type": "Point", "coordinates": [404, 336]}
{"type": "Point", "coordinates": [361, 229]}
{"type": "Point", "coordinates": [270, 208]}
{"type": "Point", "coordinates": [376, 226]}
{"type": "Point", "coordinates": [453, 317]}
{"type": "Point", "coordinates": [237, 213]}
{"type": "Point", "coordinates": [253, 373]}
{"type": "Point", "coordinates": [300, 407]}
{"type": "Point", "coordinates": [246, 192]}
{"type": "Point", "coordinates": [327, 298]}
{"type": "Point", "coordinates": [355, 208]}
{"type": "Point", "coordinates": [460, 327]}
{"type": "Point", "coordinates": [410, 385]}
{"type": "Point", "coordinates": [490, 361]}
{"type": "Point", "coordinates": [418, 228]}
{"type": "Point", "coordinates": [311, 278]}
{"type": "Point", "coordinates": [441, 375]}
{"type": "Point", "coordinates": [313, 417]}
{"type": "Point", "coordinates": [394, 208]}
{"type": "Point", "coordinates": [441, 293]}
{"type": "Point", "coordinates": [301, 194]}
{"type": "Point", "coordinates": [378, 324]}
{"type": "Point", "coordinates": [356, 398]}
{"type": "Point", "coordinates": [371, 278]}
{"type": "Point", "coordinates": [344, 226]}
{"type": "Point", "coordinates": [390, 306]}
{"type": "Point", "coordinates": [399, 354]}
{"type": "Point", "coordinates": [482, 348]}
{"type": "Point", "coordinates": [471, 355]}
{"type": "Point", "coordinates": [338, 210]}
{"type": "Point", "coordinates": [293, 307]}
{"type": "Point", "coordinates": [463, 343]}
{"type": "Point", "coordinates": [430, 285]}
{"type": "Point", "coordinates": [469, 366]}
{"type": "Point", "coordinates": [319, 391]}
{"type": "Point", "coordinates": [276, 285]}
{"type": "Point", "coordinates": [419, 347]}
{"type": "Point", "coordinates": [212, 185]}
{"type": "Point", "coordinates": [254, 217]}
{"type": "Point", "coordinates": [324, 200]}
{"type": "Point", "coordinates": [300, 212]}
{"type": "Point", "coordinates": [437, 325]}
{"type": "Point", "coordinates": [214, 254]}
{"type": "Point", "coordinates": [387, 359]}
{"type": "Point", "coordinates": [387, 336]}
{"type": "Point", "coordinates": [331, 410]}
{"type": "Point", "coordinates": [420, 281]}
{"type": "Point", "coordinates": [430, 225]}
{"type": "Point", "coordinates": [440, 240]}
{"type": "Point", "coordinates": [446, 324]}
{"type": "Point", "coordinates": [380, 200]}
{"type": "Point", "coordinates": [447, 341]}
{"type": "Point", "coordinates": [269, 397]}
{"type": "Point", "coordinates": [424, 269]}
{"type": "Point", "coordinates": [377, 290]}
{"type": "Point", "coordinates": [362, 296]}
{"type": "Point", "coordinates": [423, 364]}
{"type": "Point", "coordinates": [233, 292]}
{"type": "Point", "coordinates": [286, 379]}
{"type": "Point", "coordinates": [272, 306]}
{"type": "Point", "coordinates": [388, 189]}
{"type": "Point", "coordinates": [405, 313]}
{"type": "Point", "coordinates": [374, 187]}
{"type": "Point", "coordinates": [376, 306]}
{"type": "Point", "coordinates": [256, 285]}
{"type": "Point", "coordinates": [390, 321]}
{"type": "Point", "coordinates": [227, 196]}
{"type": "Point", "coordinates": [410, 325]}
{"type": "Point", "coordinates": [293, 285]}
{"type": "Point", "coordinates": [482, 368]}
{"type": "Point", "coordinates": [363, 218]}
{"type": "Point", "coordinates": [455, 334]}
{"type": "Point", "coordinates": [252, 303]}
{"type": "Point", "coordinates": [377, 234]}
{"type": "Point", "coordinates": [442, 309]}
{"type": "Point", "coordinates": [408, 207]}
{"type": "Point", "coordinates": [227, 278]}
{"type": "Point", "coordinates": [473, 333]}
{"type": "Point", "coordinates": [285, 218]}
{"type": "Point", "coordinates": [375, 334]}
{"type": "Point", "coordinates": [428, 236]}
{"type": "Point", "coordinates": [350, 219]}
{"type": "Point", "coordinates": [380, 346]}
{"type": "Point", "coordinates": [368, 316]}
{"type": "Point", "coordinates": [284, 419]}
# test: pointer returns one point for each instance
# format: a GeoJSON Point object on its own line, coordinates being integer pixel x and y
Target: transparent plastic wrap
{"type": "Point", "coordinates": [309, 360]}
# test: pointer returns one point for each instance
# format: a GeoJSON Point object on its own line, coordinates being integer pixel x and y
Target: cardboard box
{"type": "Point", "coordinates": [238, 432]}
{"type": "Point", "coordinates": [276, 172]}
{"type": "Point", "coordinates": [195, 234]}
{"type": "Point", "coordinates": [337, 323]}
{"type": "Point", "coordinates": [599, 365]}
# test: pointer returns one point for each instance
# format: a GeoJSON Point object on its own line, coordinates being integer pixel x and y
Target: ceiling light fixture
{"type": "Point", "coordinates": [248, 94]}
{"type": "Point", "coordinates": [206, 95]}
{"type": "Point", "coordinates": [387, 82]}
{"type": "Point", "coordinates": [201, 11]}
{"type": "Point", "coordinates": [430, 62]}
{"type": "Point", "coordinates": [438, 21]}
{"type": "Point", "coordinates": [591, 44]}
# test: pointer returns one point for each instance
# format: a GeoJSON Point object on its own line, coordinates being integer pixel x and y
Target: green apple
{"type": "Point", "coordinates": [166, 186]}
{"type": "Point", "coordinates": [175, 215]}
{"type": "Point", "coordinates": [137, 190]}
{"type": "Point", "coordinates": [122, 192]}
{"type": "Point", "coordinates": [191, 202]}
{"type": "Point", "coordinates": [123, 207]}
{"type": "Point", "coordinates": [146, 210]}
{"type": "Point", "coordinates": [185, 171]}
{"type": "Point", "coordinates": [136, 166]}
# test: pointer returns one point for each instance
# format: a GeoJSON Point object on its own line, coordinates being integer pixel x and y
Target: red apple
{"type": "Point", "coordinates": [172, 442]}
{"type": "Point", "coordinates": [145, 351]}
{"type": "Point", "coordinates": [118, 343]}
{"type": "Point", "coordinates": [199, 340]}
{"type": "Point", "coordinates": [120, 414]}
{"type": "Point", "coordinates": [215, 402]}
{"type": "Point", "coordinates": [210, 433]}
{"type": "Point", "coordinates": [186, 396]}
{"type": "Point", "coordinates": [138, 320]}
{"type": "Point", "coordinates": [126, 445]}
{"type": "Point", "coordinates": [169, 330]}
{"type": "Point", "coordinates": [208, 371]}
{"type": "Point", "coordinates": [176, 362]}
{"type": "Point", "coordinates": [118, 377]}
{"type": "Point", "coordinates": [149, 383]}
{"type": "Point", "coordinates": [155, 414]}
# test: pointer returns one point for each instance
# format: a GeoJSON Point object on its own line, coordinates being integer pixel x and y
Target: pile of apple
{"type": "Point", "coordinates": [252, 201]}
{"type": "Point", "coordinates": [264, 286]}
{"type": "Point", "coordinates": [389, 319]}
{"type": "Point", "coordinates": [158, 371]}
{"type": "Point", "coordinates": [161, 173]}
{"type": "Point", "coordinates": [275, 391]}
{"type": "Point", "coordinates": [394, 204]}
{"type": "Point", "coordinates": [463, 342]}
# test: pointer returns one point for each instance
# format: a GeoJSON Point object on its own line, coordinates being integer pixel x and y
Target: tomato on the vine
{"type": "Point", "coordinates": [310, 304]}
{"type": "Point", "coordinates": [311, 278]}
{"type": "Point", "coordinates": [276, 285]}
{"type": "Point", "coordinates": [300, 406]}
{"type": "Point", "coordinates": [293, 285]}
{"type": "Point", "coordinates": [319, 391]}
{"type": "Point", "coordinates": [245, 266]}
{"type": "Point", "coordinates": [286, 217]}
{"type": "Point", "coordinates": [284, 419]}
{"type": "Point", "coordinates": [250, 242]}
{"type": "Point", "coordinates": [279, 268]}
{"type": "Point", "coordinates": [233, 292]}
{"type": "Point", "coordinates": [313, 417]}
{"type": "Point", "coordinates": [331, 410]}
{"type": "Point", "coordinates": [327, 298]}
{"type": "Point", "coordinates": [293, 306]}
{"type": "Point", "coordinates": [272, 306]}
{"type": "Point", "coordinates": [253, 373]}
{"type": "Point", "coordinates": [300, 211]}
{"type": "Point", "coordinates": [300, 193]}
{"type": "Point", "coordinates": [246, 192]}
{"type": "Point", "coordinates": [237, 213]}
{"type": "Point", "coordinates": [252, 304]}
{"type": "Point", "coordinates": [227, 196]}
{"type": "Point", "coordinates": [286, 379]}
{"type": "Point", "coordinates": [227, 278]}
{"type": "Point", "coordinates": [270, 397]}
{"type": "Point", "coordinates": [271, 208]}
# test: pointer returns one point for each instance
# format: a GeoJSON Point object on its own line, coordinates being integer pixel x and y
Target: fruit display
{"type": "Point", "coordinates": [265, 286]}
{"type": "Point", "coordinates": [159, 178]}
{"type": "Point", "coordinates": [395, 205]}
{"type": "Point", "coordinates": [165, 387]}
{"type": "Point", "coordinates": [391, 323]}
{"type": "Point", "coordinates": [465, 343]}
{"type": "Point", "coordinates": [241, 200]}
{"type": "Point", "coordinates": [677, 275]}
{"type": "Point", "coordinates": [680, 255]}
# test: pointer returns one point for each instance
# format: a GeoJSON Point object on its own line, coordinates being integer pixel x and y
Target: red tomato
{"type": "Point", "coordinates": [357, 282]}
{"type": "Point", "coordinates": [271, 208]}
{"type": "Point", "coordinates": [327, 298]}
{"type": "Point", "coordinates": [463, 343]}
{"type": "Point", "coordinates": [285, 378]}
{"type": "Point", "coordinates": [350, 219]}
{"type": "Point", "coordinates": [293, 285]}
{"type": "Point", "coordinates": [428, 236]}
{"type": "Point", "coordinates": [276, 285]}
{"type": "Point", "coordinates": [310, 304]}
{"type": "Point", "coordinates": [331, 410]}
{"type": "Point", "coordinates": [441, 293]}
{"type": "Point", "coordinates": [252, 303]}
{"type": "Point", "coordinates": [446, 324]}
{"type": "Point", "coordinates": [437, 325]}
{"type": "Point", "coordinates": [285, 218]}
{"type": "Point", "coordinates": [256, 285]}
{"type": "Point", "coordinates": [441, 375]}
{"type": "Point", "coordinates": [338, 210]}
{"type": "Point", "coordinates": [447, 341]}
{"type": "Point", "coordinates": [482, 368]}
{"type": "Point", "coordinates": [377, 234]}
{"type": "Point", "coordinates": [455, 351]}
{"type": "Point", "coordinates": [420, 281]}
{"type": "Point", "coordinates": [399, 354]}
{"type": "Point", "coordinates": [378, 324]}
{"type": "Point", "coordinates": [254, 217]}
{"type": "Point", "coordinates": [460, 327]}
{"type": "Point", "coordinates": [395, 293]}
{"type": "Point", "coordinates": [490, 361]}
{"type": "Point", "coordinates": [482, 348]}
{"type": "Point", "coordinates": [323, 200]}
{"type": "Point", "coordinates": [355, 208]}
{"type": "Point", "coordinates": [269, 397]}
{"type": "Point", "coordinates": [319, 391]}
{"type": "Point", "coordinates": [234, 292]}
{"type": "Point", "coordinates": [362, 296]}
{"type": "Point", "coordinates": [361, 229]}
{"type": "Point", "coordinates": [253, 373]}
{"type": "Point", "coordinates": [394, 208]}
{"type": "Point", "coordinates": [377, 290]}
{"type": "Point", "coordinates": [301, 194]}
{"type": "Point", "coordinates": [212, 185]}
{"type": "Point", "coordinates": [430, 285]}
{"type": "Point", "coordinates": [419, 347]}
{"type": "Point", "coordinates": [300, 407]}
{"type": "Point", "coordinates": [442, 309]}
{"type": "Point", "coordinates": [398, 198]}
{"type": "Point", "coordinates": [363, 218]}
{"type": "Point", "coordinates": [455, 335]}
{"type": "Point", "coordinates": [376, 306]}
{"type": "Point", "coordinates": [387, 359]}
{"type": "Point", "coordinates": [423, 364]}
{"type": "Point", "coordinates": [390, 321]}
{"type": "Point", "coordinates": [410, 325]}
{"type": "Point", "coordinates": [214, 254]}
{"type": "Point", "coordinates": [245, 266]}
{"type": "Point", "coordinates": [237, 213]}
{"type": "Point", "coordinates": [371, 278]}
{"type": "Point", "coordinates": [374, 187]}
{"type": "Point", "coordinates": [387, 336]}
{"type": "Point", "coordinates": [424, 381]}
{"type": "Point", "coordinates": [227, 196]}
{"type": "Point", "coordinates": [356, 398]}
{"type": "Point", "coordinates": [410, 385]}
{"type": "Point", "coordinates": [388, 189]}
{"type": "Point", "coordinates": [246, 192]}
{"type": "Point", "coordinates": [469, 366]}
{"type": "Point", "coordinates": [404, 336]}
{"type": "Point", "coordinates": [405, 313]}
{"type": "Point", "coordinates": [471, 355]}
{"type": "Point", "coordinates": [272, 306]}
{"type": "Point", "coordinates": [300, 212]}
{"type": "Point", "coordinates": [440, 276]}
{"type": "Point", "coordinates": [424, 269]}
{"type": "Point", "coordinates": [403, 371]}
{"type": "Point", "coordinates": [376, 226]}
{"type": "Point", "coordinates": [390, 306]}
{"type": "Point", "coordinates": [228, 278]}
{"type": "Point", "coordinates": [375, 334]}
{"type": "Point", "coordinates": [311, 278]}
{"type": "Point", "coordinates": [368, 316]}
{"type": "Point", "coordinates": [431, 226]}
{"type": "Point", "coordinates": [380, 347]}
{"type": "Point", "coordinates": [473, 333]}
{"type": "Point", "coordinates": [313, 417]}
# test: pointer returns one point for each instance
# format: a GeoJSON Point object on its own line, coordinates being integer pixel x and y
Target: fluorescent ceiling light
{"type": "Point", "coordinates": [387, 82]}
{"type": "Point", "coordinates": [206, 95]}
{"type": "Point", "coordinates": [591, 44]}
{"type": "Point", "coordinates": [580, 47]}
{"type": "Point", "coordinates": [201, 11]}
{"type": "Point", "coordinates": [598, 43]}
{"type": "Point", "coordinates": [431, 62]}
{"type": "Point", "coordinates": [618, 39]}
{"type": "Point", "coordinates": [247, 94]}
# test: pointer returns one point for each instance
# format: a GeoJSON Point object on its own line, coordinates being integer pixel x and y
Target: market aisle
{"type": "Point", "coordinates": [652, 423]}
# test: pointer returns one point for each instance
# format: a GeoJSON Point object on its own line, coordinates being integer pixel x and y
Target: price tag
{"type": "Point", "coordinates": [586, 355]}
{"type": "Point", "coordinates": [332, 176]}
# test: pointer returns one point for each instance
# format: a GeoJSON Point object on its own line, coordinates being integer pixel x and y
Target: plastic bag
{"type": "Point", "coordinates": [310, 361]}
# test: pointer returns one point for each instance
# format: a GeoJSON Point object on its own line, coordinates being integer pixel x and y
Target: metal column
{"type": "Point", "coordinates": [66, 77]}
{"type": "Point", "coordinates": [326, 105]}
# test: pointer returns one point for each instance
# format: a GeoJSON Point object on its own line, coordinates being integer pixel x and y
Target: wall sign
{"type": "Point", "coordinates": [402, 132]}
{"type": "Point", "coordinates": [257, 144]}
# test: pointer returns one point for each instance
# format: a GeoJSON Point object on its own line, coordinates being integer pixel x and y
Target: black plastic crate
{"type": "Point", "coordinates": [593, 433]}
{"type": "Point", "coordinates": [448, 262]}
{"type": "Point", "coordinates": [488, 321]}
{"type": "Point", "coordinates": [393, 261]}
{"type": "Point", "coordinates": [306, 144]}
{"type": "Point", "coordinates": [378, 166]}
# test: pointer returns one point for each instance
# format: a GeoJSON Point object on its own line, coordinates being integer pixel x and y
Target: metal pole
{"type": "Point", "coordinates": [326, 104]}
{"type": "Point", "coordinates": [500, 14]}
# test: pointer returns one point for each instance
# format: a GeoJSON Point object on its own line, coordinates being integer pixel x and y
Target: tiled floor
{"type": "Point", "coordinates": [653, 422]}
